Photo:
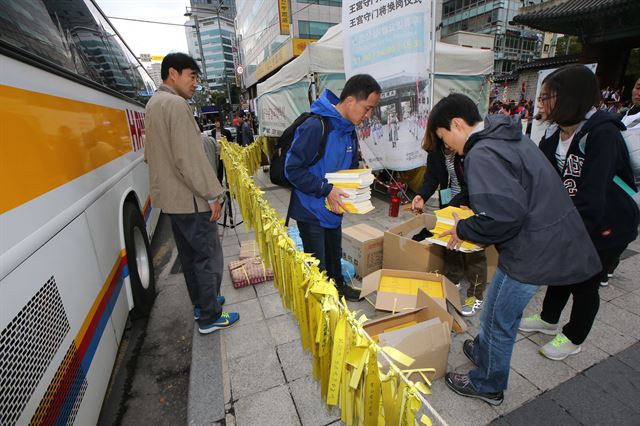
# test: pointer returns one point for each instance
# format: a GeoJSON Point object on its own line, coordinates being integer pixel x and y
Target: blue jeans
{"type": "Point", "coordinates": [326, 245]}
{"type": "Point", "coordinates": [501, 314]}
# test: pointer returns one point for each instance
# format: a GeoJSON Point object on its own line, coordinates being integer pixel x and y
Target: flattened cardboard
{"type": "Point", "coordinates": [447, 307]}
{"type": "Point", "coordinates": [401, 252]}
{"type": "Point", "coordinates": [362, 246]}
{"type": "Point", "coordinates": [427, 341]}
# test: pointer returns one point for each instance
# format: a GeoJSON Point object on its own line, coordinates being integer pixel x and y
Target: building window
{"type": "Point", "coordinates": [546, 48]}
{"type": "Point", "coordinates": [313, 29]}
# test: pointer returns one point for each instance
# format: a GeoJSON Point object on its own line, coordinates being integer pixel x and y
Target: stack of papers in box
{"type": "Point", "coordinates": [356, 183]}
{"type": "Point", "coordinates": [445, 222]}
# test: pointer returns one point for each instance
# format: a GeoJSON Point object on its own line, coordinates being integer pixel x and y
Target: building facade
{"type": "Point", "coordinates": [513, 44]}
{"type": "Point", "coordinates": [154, 72]}
{"type": "Point", "coordinates": [229, 5]}
{"type": "Point", "coordinates": [218, 46]}
{"type": "Point", "coordinates": [273, 32]}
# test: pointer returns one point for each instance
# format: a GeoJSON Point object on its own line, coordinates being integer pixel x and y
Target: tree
{"type": "Point", "coordinates": [568, 45]}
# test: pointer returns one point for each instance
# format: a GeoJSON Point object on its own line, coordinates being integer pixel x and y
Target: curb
{"type": "Point", "coordinates": [206, 388]}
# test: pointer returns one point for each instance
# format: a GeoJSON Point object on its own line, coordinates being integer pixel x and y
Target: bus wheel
{"type": "Point", "coordinates": [141, 276]}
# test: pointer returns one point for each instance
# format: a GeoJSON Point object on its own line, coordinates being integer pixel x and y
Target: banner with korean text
{"type": "Point", "coordinates": [392, 41]}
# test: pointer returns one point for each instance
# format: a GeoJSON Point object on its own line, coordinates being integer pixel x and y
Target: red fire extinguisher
{"type": "Point", "coordinates": [394, 202]}
{"type": "Point", "coordinates": [394, 206]}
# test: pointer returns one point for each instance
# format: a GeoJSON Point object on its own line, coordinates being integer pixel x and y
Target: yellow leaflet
{"type": "Point", "coordinates": [388, 385]}
{"type": "Point", "coordinates": [425, 420]}
{"type": "Point", "coordinates": [337, 362]}
{"type": "Point", "coordinates": [325, 366]}
{"type": "Point", "coordinates": [357, 372]}
{"type": "Point", "coordinates": [359, 398]}
{"type": "Point", "coordinates": [412, 406]}
{"type": "Point", "coordinates": [355, 355]}
{"type": "Point", "coordinates": [322, 336]}
{"type": "Point", "coordinates": [372, 390]}
{"type": "Point", "coordinates": [410, 286]}
{"type": "Point", "coordinates": [396, 355]}
{"type": "Point", "coordinates": [322, 286]}
{"type": "Point", "coordinates": [400, 402]}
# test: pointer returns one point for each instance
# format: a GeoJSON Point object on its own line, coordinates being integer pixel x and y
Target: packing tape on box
{"type": "Point", "coordinates": [345, 358]}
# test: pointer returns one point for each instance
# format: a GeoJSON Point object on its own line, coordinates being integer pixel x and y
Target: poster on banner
{"type": "Point", "coordinates": [539, 127]}
{"type": "Point", "coordinates": [390, 40]}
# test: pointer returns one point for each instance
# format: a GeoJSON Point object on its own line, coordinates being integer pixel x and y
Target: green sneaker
{"type": "Point", "coordinates": [559, 348]}
{"type": "Point", "coordinates": [535, 323]}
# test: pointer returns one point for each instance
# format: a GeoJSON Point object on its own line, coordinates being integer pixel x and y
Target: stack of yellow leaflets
{"type": "Point", "coordinates": [356, 183]}
{"type": "Point", "coordinates": [445, 222]}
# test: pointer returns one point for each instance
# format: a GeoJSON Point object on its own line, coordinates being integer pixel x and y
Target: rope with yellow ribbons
{"type": "Point", "coordinates": [347, 362]}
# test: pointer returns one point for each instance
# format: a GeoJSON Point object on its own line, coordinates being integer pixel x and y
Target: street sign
{"type": "Point", "coordinates": [240, 69]}
{"type": "Point", "coordinates": [145, 57]}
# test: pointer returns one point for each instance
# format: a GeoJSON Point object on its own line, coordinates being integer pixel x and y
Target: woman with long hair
{"type": "Point", "coordinates": [588, 151]}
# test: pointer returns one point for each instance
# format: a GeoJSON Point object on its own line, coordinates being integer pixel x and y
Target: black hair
{"type": "Point", "coordinates": [360, 86]}
{"type": "Point", "coordinates": [576, 90]}
{"type": "Point", "coordinates": [177, 61]}
{"type": "Point", "coordinates": [453, 106]}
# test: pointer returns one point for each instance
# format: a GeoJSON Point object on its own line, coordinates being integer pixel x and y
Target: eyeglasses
{"type": "Point", "coordinates": [545, 98]}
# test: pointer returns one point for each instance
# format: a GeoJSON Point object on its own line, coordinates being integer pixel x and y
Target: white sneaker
{"type": "Point", "coordinates": [471, 305]}
{"type": "Point", "coordinates": [535, 323]}
{"type": "Point", "coordinates": [559, 348]}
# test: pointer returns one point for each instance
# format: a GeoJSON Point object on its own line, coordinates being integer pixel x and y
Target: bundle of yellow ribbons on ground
{"type": "Point", "coordinates": [345, 359]}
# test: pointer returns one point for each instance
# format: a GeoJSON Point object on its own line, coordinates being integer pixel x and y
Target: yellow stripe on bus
{"type": "Point", "coordinates": [47, 141]}
{"type": "Point", "coordinates": [98, 299]}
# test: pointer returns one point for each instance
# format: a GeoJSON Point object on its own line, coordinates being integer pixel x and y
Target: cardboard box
{"type": "Point", "coordinates": [396, 296]}
{"type": "Point", "coordinates": [362, 246]}
{"type": "Point", "coordinates": [423, 333]}
{"type": "Point", "coordinates": [401, 252]}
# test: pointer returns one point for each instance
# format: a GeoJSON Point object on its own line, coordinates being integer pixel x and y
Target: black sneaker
{"type": "Point", "coordinates": [349, 293]}
{"type": "Point", "coordinates": [461, 384]}
{"type": "Point", "coordinates": [467, 349]}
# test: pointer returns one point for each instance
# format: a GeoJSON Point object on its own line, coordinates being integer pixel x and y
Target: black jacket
{"type": "Point", "coordinates": [225, 133]}
{"type": "Point", "coordinates": [437, 176]}
{"type": "Point", "coordinates": [597, 154]}
{"type": "Point", "coordinates": [522, 208]}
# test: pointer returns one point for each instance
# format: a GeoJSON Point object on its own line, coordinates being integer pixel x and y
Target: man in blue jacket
{"type": "Point", "coordinates": [321, 228]}
{"type": "Point", "coordinates": [522, 207]}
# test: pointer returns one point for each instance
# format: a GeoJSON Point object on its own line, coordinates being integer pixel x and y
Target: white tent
{"type": "Point", "coordinates": [284, 96]}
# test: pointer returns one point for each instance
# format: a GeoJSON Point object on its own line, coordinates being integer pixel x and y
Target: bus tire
{"type": "Point", "coordinates": [139, 260]}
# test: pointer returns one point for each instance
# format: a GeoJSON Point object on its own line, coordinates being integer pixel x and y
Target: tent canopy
{"type": "Point", "coordinates": [325, 57]}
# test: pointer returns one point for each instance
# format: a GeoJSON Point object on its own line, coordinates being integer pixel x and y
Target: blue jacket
{"type": "Point", "coordinates": [341, 152]}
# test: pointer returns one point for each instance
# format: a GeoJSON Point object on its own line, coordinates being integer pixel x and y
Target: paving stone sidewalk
{"type": "Point", "coordinates": [267, 376]}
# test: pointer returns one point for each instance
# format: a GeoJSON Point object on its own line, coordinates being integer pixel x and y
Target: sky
{"type": "Point", "coordinates": [154, 39]}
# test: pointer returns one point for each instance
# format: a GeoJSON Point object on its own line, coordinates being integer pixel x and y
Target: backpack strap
{"type": "Point", "coordinates": [326, 129]}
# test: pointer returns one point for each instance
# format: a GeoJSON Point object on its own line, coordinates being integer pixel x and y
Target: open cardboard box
{"type": "Point", "coordinates": [401, 252]}
{"type": "Point", "coordinates": [392, 297]}
{"type": "Point", "coordinates": [423, 333]}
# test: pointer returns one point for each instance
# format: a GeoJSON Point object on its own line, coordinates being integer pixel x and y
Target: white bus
{"type": "Point", "coordinates": [75, 215]}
